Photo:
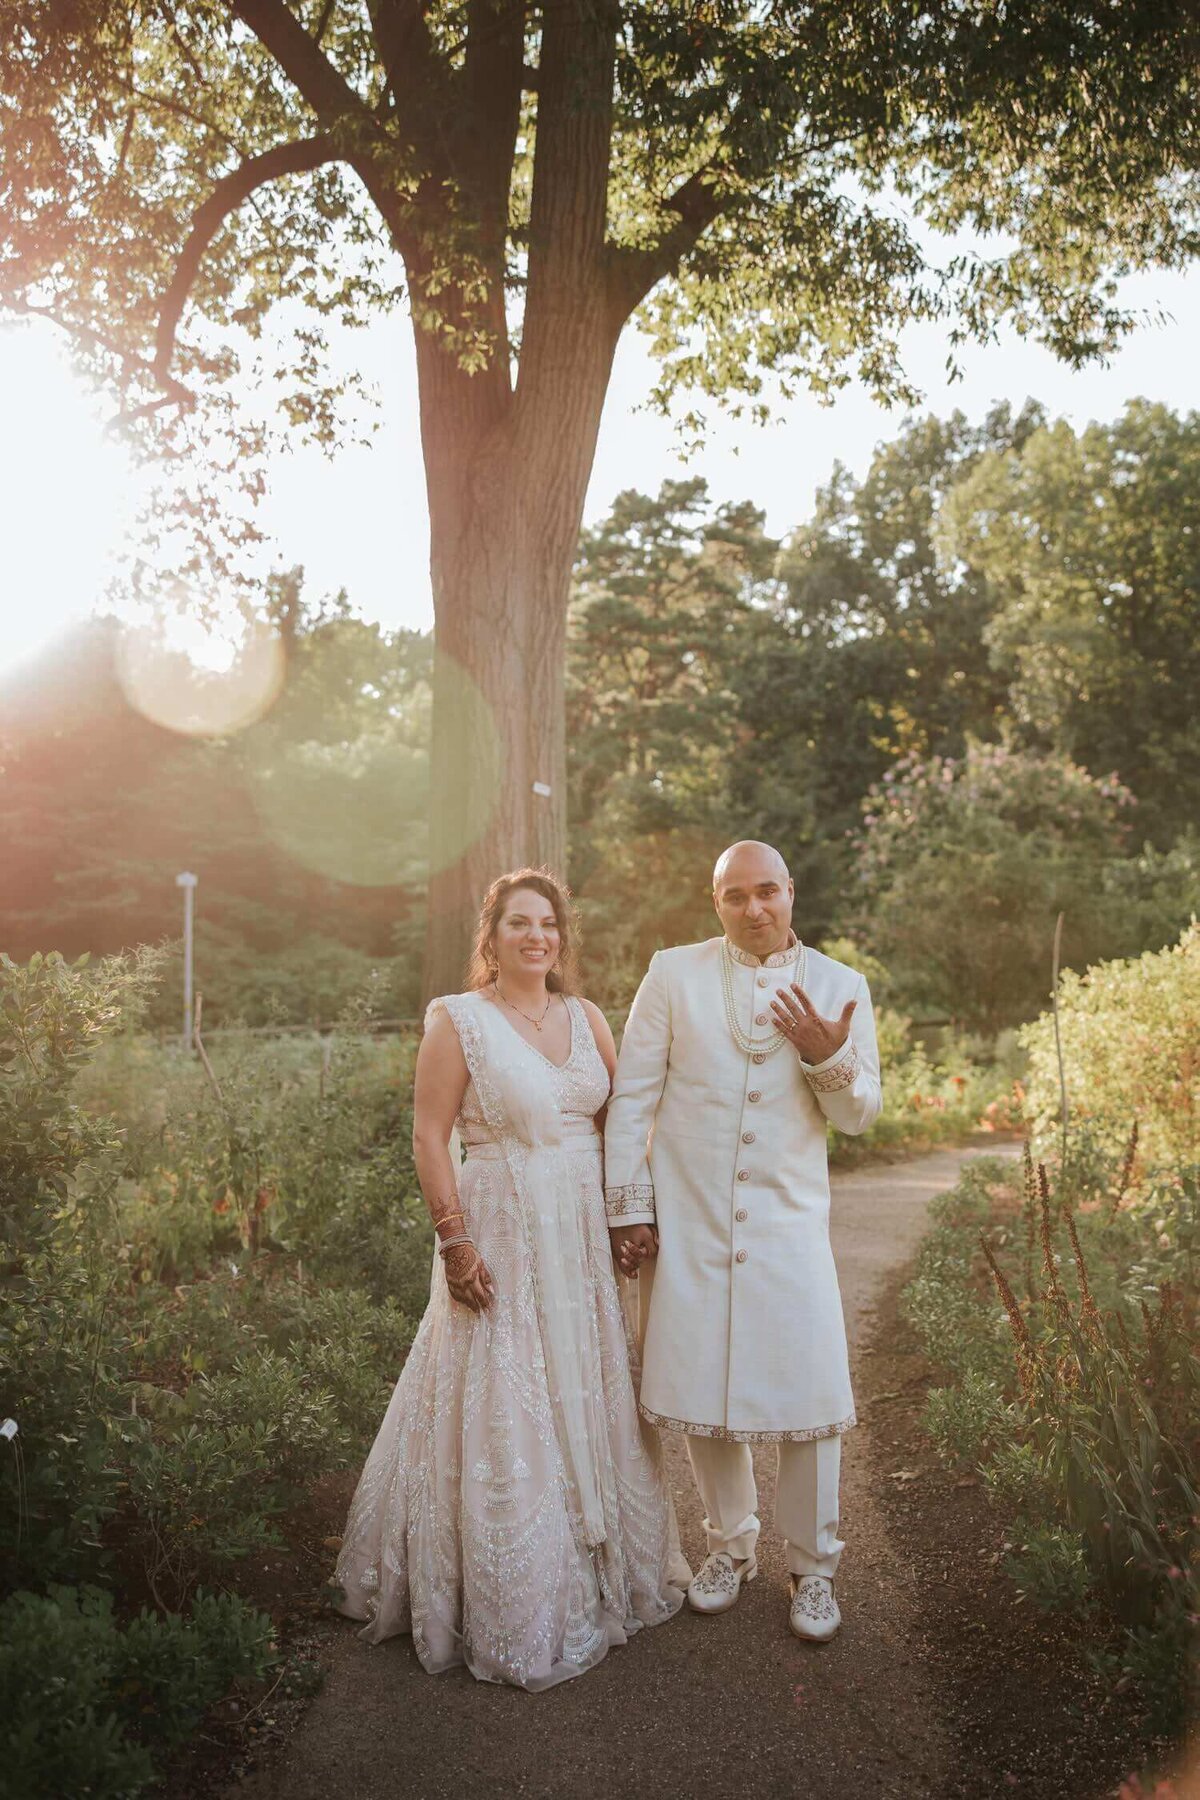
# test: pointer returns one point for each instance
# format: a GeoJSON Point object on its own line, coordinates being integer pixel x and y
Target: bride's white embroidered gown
{"type": "Point", "coordinates": [511, 1514]}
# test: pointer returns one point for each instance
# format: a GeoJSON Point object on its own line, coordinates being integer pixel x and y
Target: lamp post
{"type": "Point", "coordinates": [188, 883]}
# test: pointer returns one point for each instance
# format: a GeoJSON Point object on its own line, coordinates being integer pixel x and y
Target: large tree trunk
{"type": "Point", "coordinates": [506, 473]}
{"type": "Point", "coordinates": [504, 525]}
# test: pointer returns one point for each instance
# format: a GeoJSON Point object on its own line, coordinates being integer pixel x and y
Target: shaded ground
{"type": "Point", "coordinates": [935, 1685]}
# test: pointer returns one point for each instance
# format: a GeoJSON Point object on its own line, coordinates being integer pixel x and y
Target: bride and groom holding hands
{"type": "Point", "coordinates": [628, 1245]}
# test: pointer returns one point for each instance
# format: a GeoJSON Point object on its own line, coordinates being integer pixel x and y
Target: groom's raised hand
{"type": "Point", "coordinates": [814, 1038]}
{"type": "Point", "coordinates": [631, 1245]}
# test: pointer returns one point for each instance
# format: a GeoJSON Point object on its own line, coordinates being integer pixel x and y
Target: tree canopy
{"type": "Point", "coordinates": [783, 172]}
{"type": "Point", "coordinates": [1089, 546]}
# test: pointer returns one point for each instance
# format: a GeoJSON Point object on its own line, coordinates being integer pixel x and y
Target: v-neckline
{"type": "Point", "coordinates": [521, 1035]}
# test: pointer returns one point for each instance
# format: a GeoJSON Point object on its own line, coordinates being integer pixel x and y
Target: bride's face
{"type": "Point", "coordinates": [527, 938]}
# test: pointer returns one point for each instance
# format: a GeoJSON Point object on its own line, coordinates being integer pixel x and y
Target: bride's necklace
{"type": "Point", "coordinates": [536, 1023]}
{"type": "Point", "coordinates": [759, 1048]}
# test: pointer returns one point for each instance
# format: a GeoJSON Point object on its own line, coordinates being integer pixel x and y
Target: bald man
{"type": "Point", "coordinates": [737, 1055]}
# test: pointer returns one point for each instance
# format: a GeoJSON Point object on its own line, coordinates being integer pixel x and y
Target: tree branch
{"type": "Point", "coordinates": [633, 273]}
{"type": "Point", "coordinates": [370, 151]}
{"type": "Point", "coordinates": [303, 62]}
{"type": "Point", "coordinates": [226, 197]}
{"type": "Point", "coordinates": [413, 70]}
{"type": "Point", "coordinates": [564, 329]}
{"type": "Point", "coordinates": [492, 83]}
{"type": "Point", "coordinates": [698, 203]}
{"type": "Point", "coordinates": [175, 393]}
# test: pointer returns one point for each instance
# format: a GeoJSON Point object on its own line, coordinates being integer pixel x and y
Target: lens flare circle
{"type": "Point", "coordinates": [359, 811]}
{"type": "Point", "coordinates": [174, 689]}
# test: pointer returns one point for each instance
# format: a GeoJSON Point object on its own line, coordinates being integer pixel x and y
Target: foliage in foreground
{"type": "Point", "coordinates": [1088, 1438]}
{"type": "Point", "coordinates": [86, 1702]}
{"type": "Point", "coordinates": [210, 1275]}
{"type": "Point", "coordinates": [177, 1376]}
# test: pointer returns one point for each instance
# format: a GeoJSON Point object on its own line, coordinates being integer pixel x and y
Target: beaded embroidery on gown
{"type": "Point", "coordinates": [513, 1516]}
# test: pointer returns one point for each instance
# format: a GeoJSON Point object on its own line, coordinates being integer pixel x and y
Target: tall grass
{"type": "Point", "coordinates": [1087, 1432]}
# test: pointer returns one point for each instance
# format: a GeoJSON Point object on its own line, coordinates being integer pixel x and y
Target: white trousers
{"type": "Point", "coordinates": [806, 1499]}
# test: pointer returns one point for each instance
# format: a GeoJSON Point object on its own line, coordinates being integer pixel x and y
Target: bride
{"type": "Point", "coordinates": [511, 1514]}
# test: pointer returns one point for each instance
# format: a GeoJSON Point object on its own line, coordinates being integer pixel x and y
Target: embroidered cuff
{"type": "Point", "coordinates": [624, 1202]}
{"type": "Point", "coordinates": [837, 1071]}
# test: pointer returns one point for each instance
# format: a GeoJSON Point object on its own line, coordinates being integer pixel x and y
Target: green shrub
{"type": "Point", "coordinates": [63, 1359]}
{"type": "Point", "coordinates": [965, 1419]}
{"type": "Point", "coordinates": [52, 1016]}
{"type": "Point", "coordinates": [200, 1497]}
{"type": "Point", "coordinates": [1131, 1048]}
{"type": "Point", "coordinates": [1051, 1568]}
{"type": "Point", "coordinates": [963, 864]}
{"type": "Point", "coordinates": [266, 1391]}
{"type": "Point", "coordinates": [960, 1329]}
{"type": "Point", "coordinates": [1091, 1448]}
{"type": "Point", "coordinates": [84, 1702]}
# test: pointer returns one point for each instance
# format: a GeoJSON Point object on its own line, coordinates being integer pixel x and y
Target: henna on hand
{"type": "Point", "coordinates": [631, 1245]}
{"type": "Point", "coordinates": [467, 1277]}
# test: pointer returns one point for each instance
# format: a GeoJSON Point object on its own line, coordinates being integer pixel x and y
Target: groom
{"type": "Point", "coordinates": [737, 1053]}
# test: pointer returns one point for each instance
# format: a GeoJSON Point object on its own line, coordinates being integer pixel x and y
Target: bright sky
{"type": "Point", "coordinates": [67, 493]}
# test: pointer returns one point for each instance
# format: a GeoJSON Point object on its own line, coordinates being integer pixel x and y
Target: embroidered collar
{"type": "Point", "coordinates": [776, 961]}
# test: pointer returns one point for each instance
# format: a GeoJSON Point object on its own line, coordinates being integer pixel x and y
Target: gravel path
{"type": "Point", "coordinates": [731, 1708]}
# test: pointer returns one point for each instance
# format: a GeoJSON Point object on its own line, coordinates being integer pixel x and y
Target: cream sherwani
{"type": "Point", "coordinates": [723, 1149]}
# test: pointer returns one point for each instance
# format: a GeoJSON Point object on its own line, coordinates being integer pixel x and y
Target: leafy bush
{"type": "Point", "coordinates": [963, 865]}
{"type": "Point", "coordinates": [199, 1496]}
{"type": "Point", "coordinates": [62, 1344]}
{"type": "Point", "coordinates": [264, 1390]}
{"type": "Point", "coordinates": [1131, 1048]}
{"type": "Point", "coordinates": [63, 1358]}
{"type": "Point", "coordinates": [961, 1329]}
{"type": "Point", "coordinates": [279, 1383]}
{"type": "Point", "coordinates": [52, 1015]}
{"type": "Point", "coordinates": [966, 1419]}
{"type": "Point", "coordinates": [84, 1702]}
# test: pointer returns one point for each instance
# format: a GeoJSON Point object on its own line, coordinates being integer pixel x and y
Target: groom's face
{"type": "Point", "coordinates": [754, 899]}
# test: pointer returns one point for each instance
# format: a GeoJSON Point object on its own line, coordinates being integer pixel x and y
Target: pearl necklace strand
{"type": "Point", "coordinates": [762, 1047]}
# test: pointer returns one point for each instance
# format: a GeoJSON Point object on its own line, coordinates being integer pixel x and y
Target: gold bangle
{"type": "Point", "coordinates": [445, 1218]}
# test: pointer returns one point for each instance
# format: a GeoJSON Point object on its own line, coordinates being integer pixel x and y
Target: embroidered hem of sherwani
{"type": "Point", "coordinates": [746, 1437]}
{"type": "Point", "coordinates": [724, 1149]}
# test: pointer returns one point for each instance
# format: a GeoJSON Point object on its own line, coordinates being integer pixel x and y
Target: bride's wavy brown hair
{"type": "Point", "coordinates": [563, 977]}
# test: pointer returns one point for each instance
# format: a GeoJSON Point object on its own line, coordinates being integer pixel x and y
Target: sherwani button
{"type": "Point", "coordinates": [760, 1018]}
{"type": "Point", "coordinates": [754, 1094]}
{"type": "Point", "coordinates": [741, 1215]}
{"type": "Point", "coordinates": [763, 980]}
{"type": "Point", "coordinates": [747, 1137]}
{"type": "Point", "coordinates": [741, 1256]}
{"type": "Point", "coordinates": [743, 1175]}
{"type": "Point", "coordinates": [759, 1057]}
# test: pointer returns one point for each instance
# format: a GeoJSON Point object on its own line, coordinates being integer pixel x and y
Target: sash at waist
{"type": "Point", "coordinates": [575, 1138]}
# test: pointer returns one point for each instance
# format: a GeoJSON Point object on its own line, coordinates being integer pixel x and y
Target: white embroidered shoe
{"type": "Point", "coordinates": [719, 1582]}
{"type": "Point", "coordinates": [814, 1613]}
